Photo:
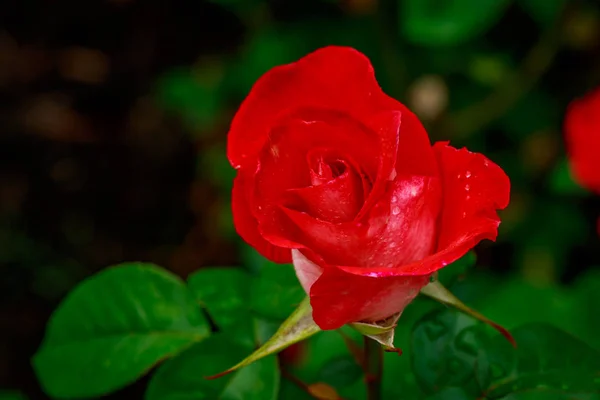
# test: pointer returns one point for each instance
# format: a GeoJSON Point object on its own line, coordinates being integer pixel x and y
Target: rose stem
{"type": "Point", "coordinates": [374, 368]}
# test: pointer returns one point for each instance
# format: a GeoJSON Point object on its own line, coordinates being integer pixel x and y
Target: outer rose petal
{"type": "Point", "coordinates": [306, 271]}
{"type": "Point", "coordinates": [338, 298]}
{"type": "Point", "coordinates": [332, 78]}
{"type": "Point", "coordinates": [582, 136]}
{"type": "Point", "coordinates": [415, 155]}
{"type": "Point", "coordinates": [247, 226]}
{"type": "Point", "coordinates": [473, 189]}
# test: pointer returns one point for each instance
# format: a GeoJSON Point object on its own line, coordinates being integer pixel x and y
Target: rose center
{"type": "Point", "coordinates": [324, 169]}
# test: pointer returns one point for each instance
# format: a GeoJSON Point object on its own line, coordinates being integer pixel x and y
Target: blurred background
{"type": "Point", "coordinates": [114, 115]}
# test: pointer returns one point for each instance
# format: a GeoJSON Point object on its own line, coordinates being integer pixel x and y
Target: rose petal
{"type": "Point", "coordinates": [582, 136]}
{"type": "Point", "coordinates": [246, 224]}
{"type": "Point", "coordinates": [283, 163]}
{"type": "Point", "coordinates": [400, 229]}
{"type": "Point", "coordinates": [473, 189]}
{"type": "Point", "coordinates": [307, 271]}
{"type": "Point", "coordinates": [338, 298]}
{"type": "Point", "coordinates": [387, 127]}
{"type": "Point", "coordinates": [331, 78]}
{"type": "Point", "coordinates": [415, 154]}
{"type": "Point", "coordinates": [335, 201]}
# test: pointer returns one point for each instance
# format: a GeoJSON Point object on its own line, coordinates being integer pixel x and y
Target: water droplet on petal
{"type": "Point", "coordinates": [395, 210]}
{"type": "Point", "coordinates": [486, 163]}
{"type": "Point", "coordinates": [390, 265]}
{"type": "Point", "coordinates": [468, 174]}
{"type": "Point", "coordinates": [467, 187]}
{"type": "Point", "coordinates": [464, 214]}
{"type": "Point", "coordinates": [394, 199]}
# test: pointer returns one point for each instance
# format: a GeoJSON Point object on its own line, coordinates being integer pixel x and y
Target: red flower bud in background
{"type": "Point", "coordinates": [582, 136]}
{"type": "Point", "coordinates": [342, 179]}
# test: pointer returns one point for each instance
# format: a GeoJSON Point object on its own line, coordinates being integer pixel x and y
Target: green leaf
{"type": "Point", "coordinates": [438, 292]}
{"type": "Point", "coordinates": [297, 327]}
{"type": "Point", "coordinates": [445, 348]}
{"type": "Point", "coordinates": [435, 23]}
{"type": "Point", "coordinates": [450, 393]}
{"type": "Point", "coordinates": [544, 12]}
{"type": "Point", "coordinates": [276, 292]}
{"type": "Point", "coordinates": [114, 327]}
{"type": "Point", "coordinates": [398, 378]}
{"type": "Point", "coordinates": [517, 302]}
{"type": "Point", "coordinates": [547, 361]}
{"type": "Point", "coordinates": [535, 395]}
{"type": "Point", "coordinates": [340, 372]}
{"type": "Point", "coordinates": [587, 303]}
{"type": "Point", "coordinates": [225, 293]}
{"type": "Point", "coordinates": [182, 377]}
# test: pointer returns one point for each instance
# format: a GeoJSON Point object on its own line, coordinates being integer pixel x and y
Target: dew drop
{"type": "Point", "coordinates": [486, 163]}
{"type": "Point", "coordinates": [467, 187]}
{"type": "Point", "coordinates": [390, 265]}
{"type": "Point", "coordinates": [468, 174]}
{"type": "Point", "coordinates": [395, 210]}
{"type": "Point", "coordinates": [464, 215]}
{"type": "Point", "coordinates": [394, 199]}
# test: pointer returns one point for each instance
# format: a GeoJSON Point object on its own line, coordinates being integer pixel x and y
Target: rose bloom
{"type": "Point", "coordinates": [582, 136]}
{"type": "Point", "coordinates": [342, 180]}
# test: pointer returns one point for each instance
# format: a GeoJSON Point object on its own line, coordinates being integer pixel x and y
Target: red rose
{"type": "Point", "coordinates": [342, 179]}
{"type": "Point", "coordinates": [582, 136]}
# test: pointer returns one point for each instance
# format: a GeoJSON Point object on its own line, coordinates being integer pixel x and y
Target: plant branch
{"type": "Point", "coordinates": [374, 368]}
